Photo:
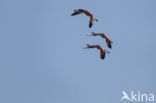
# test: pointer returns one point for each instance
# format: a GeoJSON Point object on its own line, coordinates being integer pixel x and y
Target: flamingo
{"type": "Point", "coordinates": [81, 11]}
{"type": "Point", "coordinates": [108, 41]}
{"type": "Point", "coordinates": [102, 50]}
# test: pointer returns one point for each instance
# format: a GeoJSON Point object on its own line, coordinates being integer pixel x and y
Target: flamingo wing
{"type": "Point", "coordinates": [76, 12]}
{"type": "Point", "coordinates": [109, 44]}
{"type": "Point", "coordinates": [103, 55]}
{"type": "Point", "coordinates": [94, 46]}
{"type": "Point", "coordinates": [90, 23]}
{"type": "Point", "coordinates": [82, 10]}
{"type": "Point", "coordinates": [102, 35]}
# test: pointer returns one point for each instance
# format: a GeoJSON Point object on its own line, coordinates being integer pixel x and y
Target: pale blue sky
{"type": "Point", "coordinates": [42, 60]}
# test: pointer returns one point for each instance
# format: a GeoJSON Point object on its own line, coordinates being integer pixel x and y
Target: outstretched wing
{"type": "Point", "coordinates": [90, 23]}
{"type": "Point", "coordinates": [103, 55]}
{"type": "Point", "coordinates": [76, 12]}
{"type": "Point", "coordinates": [82, 10]}
{"type": "Point", "coordinates": [108, 41]}
{"type": "Point", "coordinates": [102, 35]}
{"type": "Point", "coordinates": [109, 44]}
{"type": "Point", "coordinates": [94, 34]}
{"type": "Point", "coordinates": [85, 12]}
{"type": "Point", "coordinates": [94, 46]}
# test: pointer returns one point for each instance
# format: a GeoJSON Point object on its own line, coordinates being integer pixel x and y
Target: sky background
{"type": "Point", "coordinates": [41, 55]}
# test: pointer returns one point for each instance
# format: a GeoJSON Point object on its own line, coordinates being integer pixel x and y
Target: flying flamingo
{"type": "Point", "coordinates": [81, 11]}
{"type": "Point", "coordinates": [108, 41]}
{"type": "Point", "coordinates": [102, 50]}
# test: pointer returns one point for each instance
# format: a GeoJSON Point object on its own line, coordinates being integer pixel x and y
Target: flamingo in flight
{"type": "Point", "coordinates": [108, 41]}
{"type": "Point", "coordinates": [81, 11]}
{"type": "Point", "coordinates": [102, 50]}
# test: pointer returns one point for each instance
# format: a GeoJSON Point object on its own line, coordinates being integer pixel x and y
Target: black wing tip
{"type": "Point", "coordinates": [81, 10]}
{"type": "Point", "coordinates": [110, 46]}
{"type": "Point", "coordinates": [73, 14]}
{"type": "Point", "coordinates": [90, 25]}
{"type": "Point", "coordinates": [103, 56]}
